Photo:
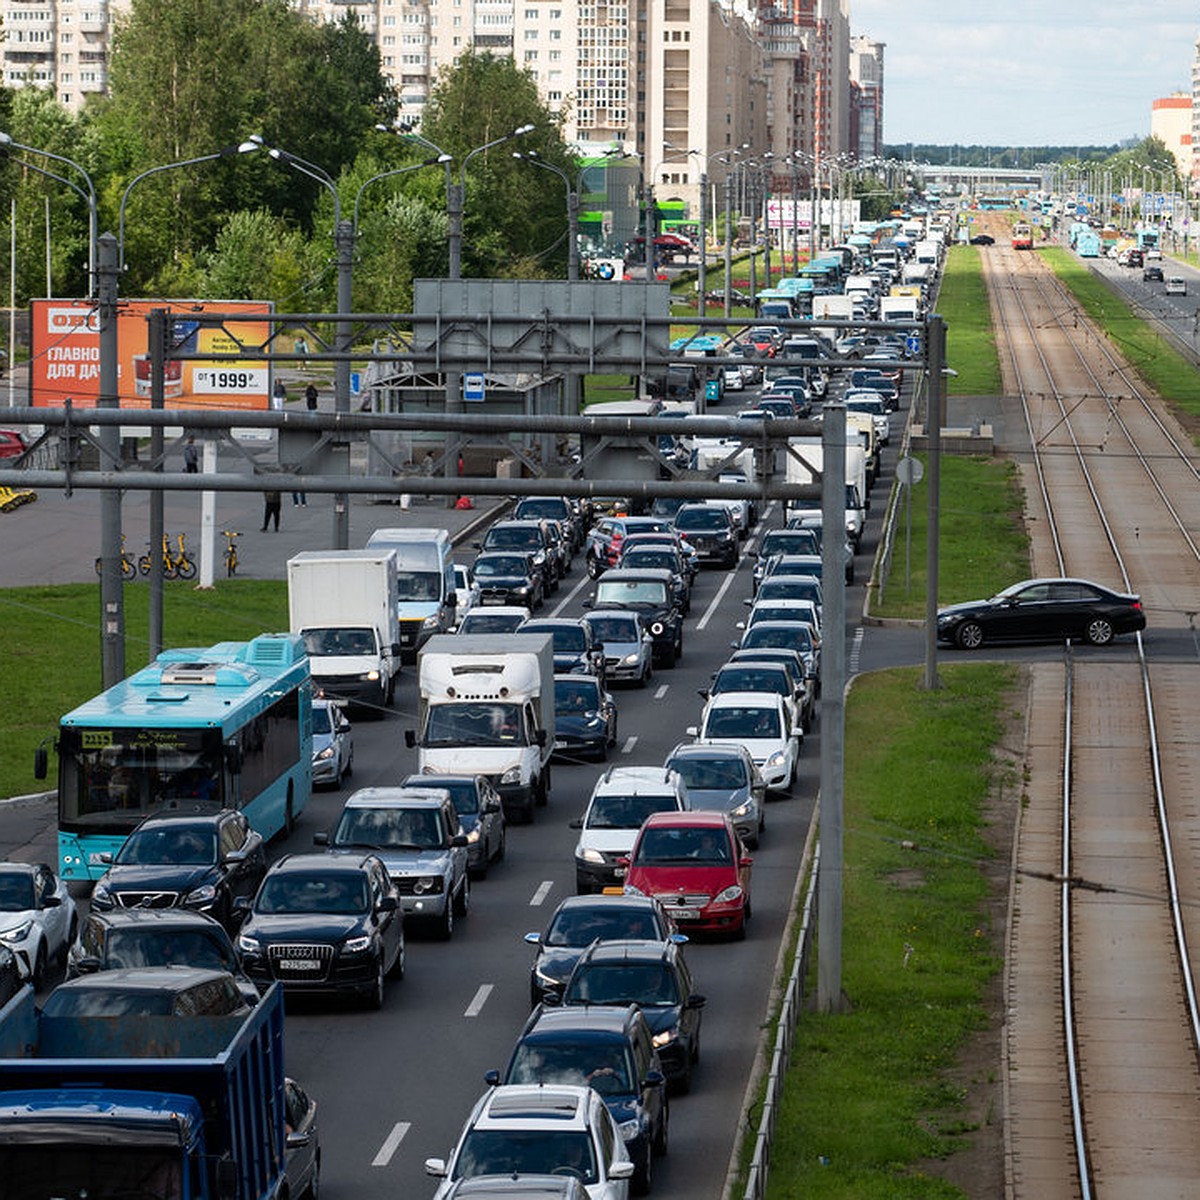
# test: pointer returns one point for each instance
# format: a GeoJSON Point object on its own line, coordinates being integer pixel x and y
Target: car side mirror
{"type": "Point", "coordinates": [320, 839]}
{"type": "Point", "coordinates": [459, 839]}
{"type": "Point", "coordinates": [410, 738]}
{"type": "Point", "coordinates": [241, 903]}
{"type": "Point", "coordinates": [492, 1078]}
{"type": "Point", "coordinates": [702, 693]}
{"type": "Point", "coordinates": [692, 731]}
{"type": "Point", "coordinates": [654, 1079]}
{"type": "Point", "coordinates": [746, 860]}
{"type": "Point", "coordinates": [696, 1000]}
{"type": "Point", "coordinates": [534, 939]}
{"type": "Point", "coordinates": [88, 966]}
{"type": "Point", "coordinates": [575, 823]}
{"type": "Point", "coordinates": [540, 738]}
{"type": "Point", "coordinates": [437, 1167]}
{"type": "Point", "coordinates": [41, 763]}
{"type": "Point", "coordinates": [388, 904]}
{"type": "Point", "coordinates": [51, 901]}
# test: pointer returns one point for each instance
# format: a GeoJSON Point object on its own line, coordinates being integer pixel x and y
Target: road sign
{"type": "Point", "coordinates": [912, 344]}
{"type": "Point", "coordinates": [910, 470]}
{"type": "Point", "coordinates": [473, 388]}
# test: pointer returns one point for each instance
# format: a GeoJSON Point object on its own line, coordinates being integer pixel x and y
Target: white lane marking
{"type": "Point", "coordinates": [630, 742]}
{"type": "Point", "coordinates": [481, 997]}
{"type": "Point", "coordinates": [661, 691]}
{"type": "Point", "coordinates": [856, 650]}
{"type": "Point", "coordinates": [715, 602]}
{"type": "Point", "coordinates": [586, 581]}
{"type": "Point", "coordinates": [542, 892]}
{"type": "Point", "coordinates": [391, 1144]}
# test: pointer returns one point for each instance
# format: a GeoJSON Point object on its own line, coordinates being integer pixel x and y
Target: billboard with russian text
{"type": "Point", "coordinates": [65, 354]}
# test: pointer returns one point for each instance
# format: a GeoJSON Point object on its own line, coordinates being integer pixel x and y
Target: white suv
{"type": "Point", "coordinates": [621, 800]}
{"type": "Point", "coordinates": [522, 1129]}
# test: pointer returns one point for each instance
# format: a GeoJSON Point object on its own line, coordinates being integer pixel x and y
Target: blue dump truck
{"type": "Point", "coordinates": [146, 1108]}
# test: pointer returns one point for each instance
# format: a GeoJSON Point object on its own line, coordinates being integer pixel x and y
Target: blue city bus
{"type": "Point", "coordinates": [229, 726]}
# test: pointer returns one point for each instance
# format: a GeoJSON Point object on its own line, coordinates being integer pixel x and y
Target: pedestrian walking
{"type": "Point", "coordinates": [191, 457]}
{"type": "Point", "coordinates": [272, 499]}
{"type": "Point", "coordinates": [278, 395]}
{"type": "Point", "coordinates": [300, 498]}
{"type": "Point", "coordinates": [310, 397]}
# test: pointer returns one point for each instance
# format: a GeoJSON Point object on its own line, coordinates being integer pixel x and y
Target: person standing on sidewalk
{"type": "Point", "coordinates": [272, 499]}
{"type": "Point", "coordinates": [191, 457]}
{"type": "Point", "coordinates": [310, 397]}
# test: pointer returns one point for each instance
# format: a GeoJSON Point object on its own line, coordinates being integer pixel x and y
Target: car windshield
{"type": "Point", "coordinates": [526, 1152]}
{"type": "Point", "coordinates": [782, 541]}
{"type": "Point", "coordinates": [326, 643]}
{"type": "Point", "coordinates": [16, 891]}
{"type": "Point", "coordinates": [184, 845]}
{"type": "Point", "coordinates": [749, 679]}
{"type": "Point", "coordinates": [510, 538]}
{"type": "Point", "coordinates": [576, 697]}
{"type": "Point", "coordinates": [684, 844]}
{"type": "Point", "coordinates": [482, 724]}
{"type": "Point", "coordinates": [556, 509]}
{"type": "Point", "coordinates": [338, 892]}
{"type": "Point", "coordinates": [630, 591]}
{"type": "Point", "coordinates": [320, 720]}
{"type": "Point", "coordinates": [389, 828]}
{"type": "Point", "coordinates": [650, 557]}
{"type": "Point", "coordinates": [794, 635]}
{"type": "Point", "coordinates": [711, 774]}
{"type": "Point", "coordinates": [701, 519]}
{"type": "Point", "coordinates": [497, 565]}
{"type": "Point", "coordinates": [600, 1065]}
{"type": "Point", "coordinates": [581, 927]}
{"type": "Point", "coordinates": [418, 585]}
{"type": "Point", "coordinates": [627, 812]}
{"type": "Point", "coordinates": [615, 629]}
{"type": "Point", "coordinates": [484, 622]}
{"type": "Point", "coordinates": [108, 1003]}
{"type": "Point", "coordinates": [738, 721]}
{"type": "Point", "coordinates": [567, 639]}
{"type": "Point", "coordinates": [165, 948]}
{"type": "Point", "coordinates": [648, 984]}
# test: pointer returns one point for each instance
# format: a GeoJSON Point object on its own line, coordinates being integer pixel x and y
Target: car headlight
{"type": "Point", "coordinates": [730, 894]}
{"type": "Point", "coordinates": [430, 622]}
{"type": "Point", "coordinates": [323, 755]}
{"type": "Point", "coordinates": [629, 1129]}
{"type": "Point", "coordinates": [100, 897]}
{"type": "Point", "coordinates": [204, 894]}
{"type": "Point", "coordinates": [521, 590]}
{"type": "Point", "coordinates": [743, 810]}
{"type": "Point", "coordinates": [18, 933]}
{"type": "Point", "coordinates": [512, 775]}
{"type": "Point", "coordinates": [372, 676]}
{"type": "Point", "coordinates": [665, 1038]}
{"type": "Point", "coordinates": [545, 980]}
{"type": "Point", "coordinates": [657, 628]}
{"type": "Point", "coordinates": [630, 660]}
{"type": "Point", "coordinates": [473, 835]}
{"type": "Point", "coordinates": [778, 759]}
{"type": "Point", "coordinates": [356, 945]}
{"type": "Point", "coordinates": [426, 884]}
{"type": "Point", "coordinates": [248, 944]}
{"type": "Point", "coordinates": [589, 855]}
{"type": "Point", "coordinates": [631, 890]}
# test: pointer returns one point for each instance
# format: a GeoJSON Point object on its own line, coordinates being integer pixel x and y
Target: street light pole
{"type": "Point", "coordinates": [534, 157]}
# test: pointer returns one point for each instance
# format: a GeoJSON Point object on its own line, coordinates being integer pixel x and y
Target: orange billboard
{"type": "Point", "coordinates": [65, 354]}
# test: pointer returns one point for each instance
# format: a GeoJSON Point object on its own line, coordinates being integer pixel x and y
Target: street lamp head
{"type": "Point", "coordinates": [249, 145]}
{"type": "Point", "coordinates": [523, 129]}
{"type": "Point", "coordinates": [6, 139]}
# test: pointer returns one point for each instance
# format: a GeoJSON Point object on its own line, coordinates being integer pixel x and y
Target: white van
{"type": "Point", "coordinates": [425, 586]}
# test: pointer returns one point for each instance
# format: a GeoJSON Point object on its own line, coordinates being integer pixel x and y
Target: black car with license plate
{"type": "Point", "coordinates": [325, 923]}
{"type": "Point", "coordinates": [650, 593]}
{"type": "Point", "coordinates": [585, 717]}
{"type": "Point", "coordinates": [709, 530]}
{"type": "Point", "coordinates": [1043, 610]}
{"type": "Point", "coordinates": [508, 577]}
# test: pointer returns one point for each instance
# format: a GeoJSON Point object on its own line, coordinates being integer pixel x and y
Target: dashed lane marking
{"type": "Point", "coordinates": [391, 1144]}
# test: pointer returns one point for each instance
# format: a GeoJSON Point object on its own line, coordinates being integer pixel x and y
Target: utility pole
{"type": "Point", "coordinates": [112, 592]}
{"type": "Point", "coordinates": [935, 336]}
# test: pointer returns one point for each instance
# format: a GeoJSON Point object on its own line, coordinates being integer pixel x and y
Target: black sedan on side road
{"type": "Point", "coordinates": [1037, 610]}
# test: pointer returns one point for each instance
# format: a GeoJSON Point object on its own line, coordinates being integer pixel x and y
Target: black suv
{"type": "Point", "coordinates": [204, 861]}
{"type": "Point", "coordinates": [655, 977]}
{"type": "Point", "coordinates": [509, 577]}
{"type": "Point", "coordinates": [709, 530]}
{"type": "Point", "coordinates": [554, 508]}
{"type": "Point", "coordinates": [325, 923]}
{"type": "Point", "coordinates": [612, 1051]}
{"type": "Point", "coordinates": [158, 937]}
{"type": "Point", "coordinates": [649, 592]}
{"type": "Point", "coordinates": [536, 539]}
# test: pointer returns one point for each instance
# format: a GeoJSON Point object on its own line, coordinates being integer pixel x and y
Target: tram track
{"type": "Point", "coordinates": [1113, 1105]}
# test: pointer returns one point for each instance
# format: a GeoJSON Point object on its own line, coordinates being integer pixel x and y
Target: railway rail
{"type": "Point", "coordinates": [1103, 1048]}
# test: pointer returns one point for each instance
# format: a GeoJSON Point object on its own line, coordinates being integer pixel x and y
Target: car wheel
{"type": "Point", "coordinates": [646, 675]}
{"type": "Point", "coordinates": [462, 903]}
{"type": "Point", "coordinates": [38, 975]}
{"type": "Point", "coordinates": [668, 657]}
{"type": "Point", "coordinates": [313, 1191]}
{"type": "Point", "coordinates": [289, 819]}
{"type": "Point", "coordinates": [593, 567]}
{"type": "Point", "coordinates": [643, 1176]}
{"type": "Point", "coordinates": [969, 635]}
{"type": "Point", "coordinates": [662, 1142]}
{"type": "Point", "coordinates": [374, 994]}
{"type": "Point", "coordinates": [1099, 631]}
{"type": "Point", "coordinates": [600, 754]}
{"type": "Point", "coordinates": [349, 763]}
{"type": "Point", "coordinates": [401, 963]}
{"type": "Point", "coordinates": [446, 924]}
{"type": "Point", "coordinates": [683, 1084]}
{"type": "Point", "coordinates": [500, 846]}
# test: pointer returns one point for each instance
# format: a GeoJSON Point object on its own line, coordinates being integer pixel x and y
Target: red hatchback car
{"type": "Point", "coordinates": [694, 864]}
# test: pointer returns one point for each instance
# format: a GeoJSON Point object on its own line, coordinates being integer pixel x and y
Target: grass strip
{"type": "Point", "coordinates": [52, 648]}
{"type": "Point", "coordinates": [1163, 368]}
{"type": "Point", "coordinates": [983, 545]}
{"type": "Point", "coordinates": [970, 338]}
{"type": "Point", "coordinates": [872, 1095]}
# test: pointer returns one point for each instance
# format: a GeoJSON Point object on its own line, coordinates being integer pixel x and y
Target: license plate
{"type": "Point", "coordinates": [492, 600]}
{"type": "Point", "coordinates": [559, 744]}
{"type": "Point", "coordinates": [299, 964]}
{"type": "Point", "coordinates": [683, 914]}
{"type": "Point", "coordinates": [619, 872]}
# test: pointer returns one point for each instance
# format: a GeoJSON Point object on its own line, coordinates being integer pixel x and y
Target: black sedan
{"type": "Point", "coordinates": [508, 577]}
{"type": "Point", "coordinates": [1043, 610]}
{"type": "Point", "coordinates": [983, 239]}
{"type": "Point", "coordinates": [585, 717]}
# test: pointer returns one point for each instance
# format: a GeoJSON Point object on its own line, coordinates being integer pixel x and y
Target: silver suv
{"type": "Point", "coordinates": [417, 833]}
{"type": "Point", "coordinates": [621, 800]}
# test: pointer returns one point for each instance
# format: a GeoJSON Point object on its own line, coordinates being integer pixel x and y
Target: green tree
{"type": "Point", "coordinates": [257, 254]}
{"type": "Point", "coordinates": [514, 213]}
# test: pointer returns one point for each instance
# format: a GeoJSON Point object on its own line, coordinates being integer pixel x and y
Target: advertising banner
{"type": "Point", "coordinates": [65, 354]}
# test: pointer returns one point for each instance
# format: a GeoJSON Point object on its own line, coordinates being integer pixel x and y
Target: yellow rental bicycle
{"type": "Point", "coordinates": [231, 554]}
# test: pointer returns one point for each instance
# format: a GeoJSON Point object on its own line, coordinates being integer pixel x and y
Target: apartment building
{"type": "Point", "coordinates": [62, 44]}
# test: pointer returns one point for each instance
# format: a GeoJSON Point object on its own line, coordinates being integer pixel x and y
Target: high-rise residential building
{"type": "Point", "coordinates": [866, 98]}
{"type": "Point", "coordinates": [59, 44]}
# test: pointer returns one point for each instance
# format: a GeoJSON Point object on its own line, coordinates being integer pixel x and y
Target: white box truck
{"type": "Point", "coordinates": [487, 708]}
{"type": "Point", "coordinates": [831, 307]}
{"type": "Point", "coordinates": [804, 466]}
{"type": "Point", "coordinates": [900, 308]}
{"type": "Point", "coordinates": [343, 604]}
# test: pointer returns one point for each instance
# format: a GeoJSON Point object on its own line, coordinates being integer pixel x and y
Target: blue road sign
{"type": "Point", "coordinates": [473, 386]}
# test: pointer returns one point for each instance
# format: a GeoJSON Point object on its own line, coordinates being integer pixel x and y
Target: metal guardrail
{"type": "Point", "coordinates": [790, 1009]}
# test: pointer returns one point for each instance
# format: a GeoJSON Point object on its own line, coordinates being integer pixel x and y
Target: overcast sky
{"type": "Point", "coordinates": [1021, 73]}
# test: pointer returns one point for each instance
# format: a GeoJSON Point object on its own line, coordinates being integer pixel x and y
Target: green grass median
{"type": "Point", "coordinates": [970, 339]}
